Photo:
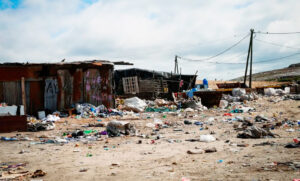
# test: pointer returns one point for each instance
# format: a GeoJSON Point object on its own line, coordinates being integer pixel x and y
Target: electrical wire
{"type": "Point", "coordinates": [279, 58]}
{"type": "Point", "coordinates": [222, 52]}
{"type": "Point", "coordinates": [282, 33]}
{"type": "Point", "coordinates": [260, 61]}
{"type": "Point", "coordinates": [276, 44]}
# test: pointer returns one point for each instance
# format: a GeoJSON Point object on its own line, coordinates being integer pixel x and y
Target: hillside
{"type": "Point", "coordinates": [290, 73]}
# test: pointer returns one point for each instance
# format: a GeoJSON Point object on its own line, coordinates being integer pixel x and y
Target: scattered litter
{"type": "Point", "coordinates": [207, 138]}
{"type": "Point", "coordinates": [255, 132]}
{"type": "Point", "coordinates": [38, 173]}
{"type": "Point", "coordinates": [199, 151]}
{"type": "Point", "coordinates": [116, 128]}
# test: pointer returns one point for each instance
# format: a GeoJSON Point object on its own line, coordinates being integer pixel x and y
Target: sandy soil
{"type": "Point", "coordinates": [127, 160]}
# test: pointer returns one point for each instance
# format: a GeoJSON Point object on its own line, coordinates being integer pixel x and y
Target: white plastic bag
{"type": "Point", "coordinates": [207, 138]}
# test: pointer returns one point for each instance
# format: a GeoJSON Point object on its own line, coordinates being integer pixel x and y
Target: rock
{"type": "Point", "coordinates": [199, 151]}
{"type": "Point", "coordinates": [210, 150]}
{"type": "Point", "coordinates": [83, 170]}
{"type": "Point", "coordinates": [187, 122]}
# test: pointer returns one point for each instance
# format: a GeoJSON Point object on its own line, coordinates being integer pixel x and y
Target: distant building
{"type": "Point", "coordinates": [150, 84]}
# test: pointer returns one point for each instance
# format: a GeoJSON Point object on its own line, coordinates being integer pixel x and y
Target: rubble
{"type": "Point", "coordinates": [40, 126]}
{"type": "Point", "coordinates": [156, 128]}
{"type": "Point", "coordinates": [255, 132]}
{"type": "Point", "coordinates": [134, 104]}
{"type": "Point", "coordinates": [116, 128]}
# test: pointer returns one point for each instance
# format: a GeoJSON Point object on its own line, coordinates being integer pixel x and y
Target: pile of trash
{"type": "Point", "coordinates": [239, 95]}
{"type": "Point", "coordinates": [17, 171]}
{"type": "Point", "coordinates": [46, 124]}
{"type": "Point", "coordinates": [255, 132]}
{"type": "Point", "coordinates": [17, 137]}
{"type": "Point", "coordinates": [160, 105]}
{"type": "Point", "coordinates": [292, 97]}
{"type": "Point", "coordinates": [87, 110]}
{"type": "Point", "coordinates": [116, 128]}
{"type": "Point", "coordinates": [276, 92]}
{"type": "Point", "coordinates": [40, 126]}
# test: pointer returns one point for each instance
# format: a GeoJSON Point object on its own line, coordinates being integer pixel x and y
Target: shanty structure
{"type": "Point", "coordinates": [56, 86]}
{"type": "Point", "coordinates": [149, 84]}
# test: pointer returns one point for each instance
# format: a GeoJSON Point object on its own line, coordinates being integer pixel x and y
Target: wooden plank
{"type": "Point", "coordinates": [23, 94]}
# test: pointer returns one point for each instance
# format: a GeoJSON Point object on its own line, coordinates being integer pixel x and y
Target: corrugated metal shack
{"type": "Point", "coordinates": [149, 84]}
{"type": "Point", "coordinates": [56, 86]}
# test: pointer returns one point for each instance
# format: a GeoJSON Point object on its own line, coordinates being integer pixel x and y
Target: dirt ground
{"type": "Point", "coordinates": [122, 158]}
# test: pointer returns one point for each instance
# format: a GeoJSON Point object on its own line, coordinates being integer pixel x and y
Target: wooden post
{"type": "Point", "coordinates": [23, 94]}
{"type": "Point", "coordinates": [249, 52]}
{"type": "Point", "coordinates": [250, 76]}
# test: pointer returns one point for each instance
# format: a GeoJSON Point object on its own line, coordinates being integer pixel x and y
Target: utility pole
{"type": "Point", "coordinates": [250, 55]}
{"type": "Point", "coordinates": [176, 71]}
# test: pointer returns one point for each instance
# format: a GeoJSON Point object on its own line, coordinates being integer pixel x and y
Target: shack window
{"type": "Point", "coordinates": [130, 85]}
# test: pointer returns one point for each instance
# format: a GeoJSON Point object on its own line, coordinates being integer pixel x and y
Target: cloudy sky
{"type": "Point", "coordinates": [150, 33]}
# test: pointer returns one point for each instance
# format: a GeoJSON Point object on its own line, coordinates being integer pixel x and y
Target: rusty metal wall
{"type": "Point", "coordinates": [36, 97]}
{"type": "Point", "coordinates": [78, 86]}
{"type": "Point", "coordinates": [92, 87]}
{"type": "Point", "coordinates": [65, 89]}
{"type": "Point", "coordinates": [16, 73]}
{"type": "Point", "coordinates": [12, 92]}
{"type": "Point", "coordinates": [50, 94]}
{"type": "Point", "coordinates": [98, 87]}
{"type": "Point", "coordinates": [107, 95]}
{"type": "Point", "coordinates": [1, 91]}
{"type": "Point", "coordinates": [89, 83]}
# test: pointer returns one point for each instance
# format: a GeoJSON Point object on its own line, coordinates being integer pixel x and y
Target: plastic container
{"type": "Point", "coordinates": [41, 114]}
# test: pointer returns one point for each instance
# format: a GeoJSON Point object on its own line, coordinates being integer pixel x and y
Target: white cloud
{"type": "Point", "coordinates": [148, 33]}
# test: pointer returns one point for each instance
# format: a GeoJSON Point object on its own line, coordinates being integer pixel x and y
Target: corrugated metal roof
{"type": "Point", "coordinates": [94, 62]}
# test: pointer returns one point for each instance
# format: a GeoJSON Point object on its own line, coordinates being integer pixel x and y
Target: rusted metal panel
{"type": "Point", "coordinates": [71, 80]}
{"type": "Point", "coordinates": [92, 87]}
{"type": "Point", "coordinates": [106, 73]}
{"type": "Point", "coordinates": [27, 92]}
{"type": "Point", "coordinates": [230, 85]}
{"type": "Point", "coordinates": [12, 93]}
{"type": "Point", "coordinates": [65, 89]}
{"type": "Point", "coordinates": [36, 97]}
{"type": "Point", "coordinates": [50, 93]}
{"type": "Point", "coordinates": [15, 73]}
{"type": "Point", "coordinates": [12, 123]}
{"type": "Point", "coordinates": [1, 92]}
{"type": "Point", "coordinates": [78, 86]}
{"type": "Point", "coordinates": [98, 87]}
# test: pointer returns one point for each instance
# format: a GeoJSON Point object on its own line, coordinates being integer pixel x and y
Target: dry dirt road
{"type": "Point", "coordinates": [121, 158]}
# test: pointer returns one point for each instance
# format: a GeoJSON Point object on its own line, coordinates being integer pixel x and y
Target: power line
{"type": "Point", "coordinates": [259, 61]}
{"type": "Point", "coordinates": [222, 52]}
{"type": "Point", "coordinates": [282, 33]}
{"type": "Point", "coordinates": [233, 57]}
{"type": "Point", "coordinates": [279, 58]}
{"type": "Point", "coordinates": [275, 44]}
